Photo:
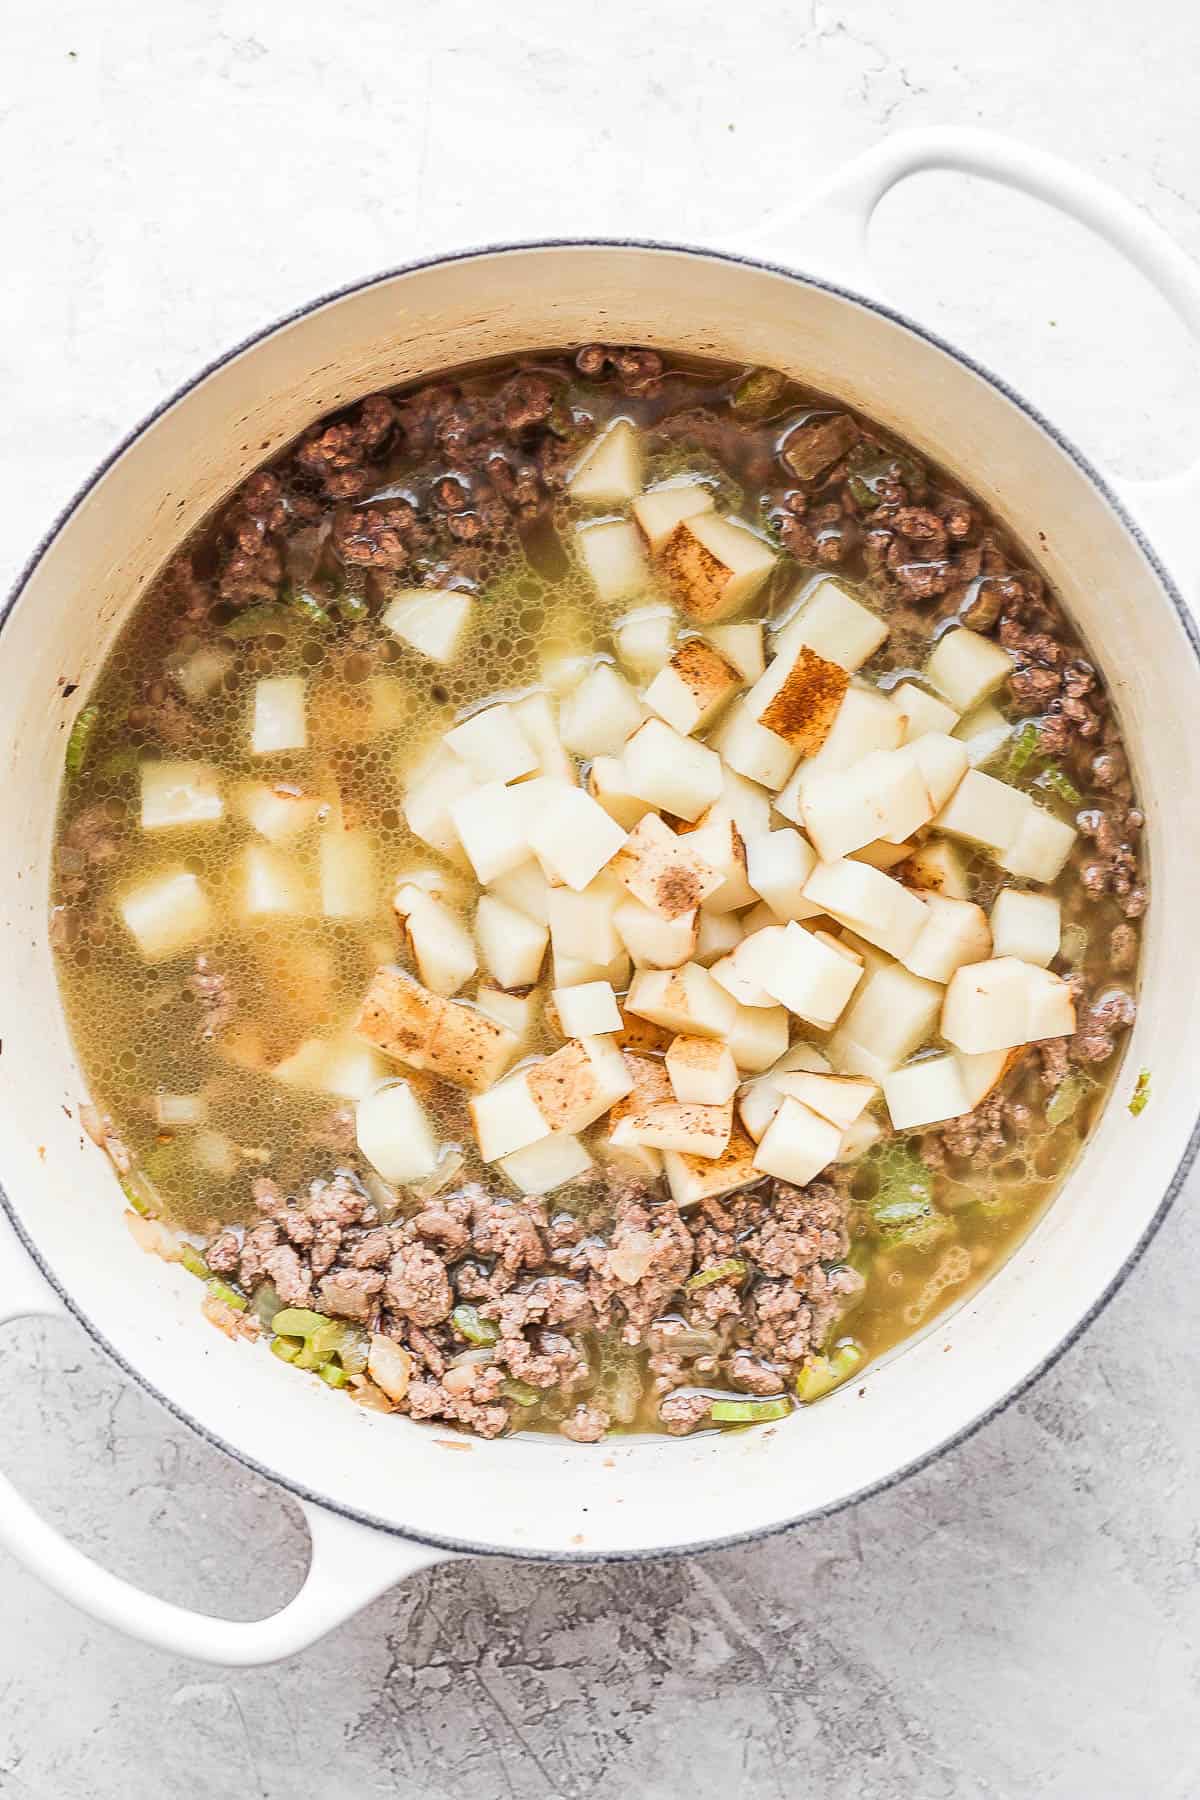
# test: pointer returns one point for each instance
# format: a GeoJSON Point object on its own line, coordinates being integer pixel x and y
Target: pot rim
{"type": "Point", "coordinates": [467, 1547]}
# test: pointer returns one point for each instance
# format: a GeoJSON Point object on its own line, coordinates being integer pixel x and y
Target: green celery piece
{"type": "Point", "coordinates": [468, 1324]}
{"type": "Point", "coordinates": [332, 1376]}
{"type": "Point", "coordinates": [287, 1349]}
{"type": "Point", "coordinates": [749, 1412]}
{"type": "Point", "coordinates": [297, 1321]}
{"type": "Point", "coordinates": [193, 1262]}
{"type": "Point", "coordinates": [257, 621]}
{"type": "Point", "coordinates": [1140, 1098]}
{"type": "Point", "coordinates": [220, 1290]}
{"type": "Point", "coordinates": [757, 392]}
{"type": "Point", "coordinates": [1065, 1099]}
{"type": "Point", "coordinates": [309, 607]}
{"type": "Point", "coordinates": [351, 607]}
{"type": "Point", "coordinates": [821, 1374]}
{"type": "Point", "coordinates": [1022, 746]}
{"type": "Point", "coordinates": [1054, 781]}
{"type": "Point", "coordinates": [520, 1391]}
{"type": "Point", "coordinates": [135, 1196]}
{"type": "Point", "coordinates": [80, 741]}
{"type": "Point", "coordinates": [729, 1269]}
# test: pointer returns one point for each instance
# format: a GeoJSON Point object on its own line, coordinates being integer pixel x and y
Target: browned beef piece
{"type": "Point", "coordinates": [259, 1243]}
{"type": "Point", "coordinates": [637, 370]}
{"type": "Point", "coordinates": [818, 443]}
{"type": "Point", "coordinates": [252, 526]}
{"type": "Point", "coordinates": [507, 1231]}
{"type": "Point", "coordinates": [1097, 1029]}
{"type": "Point", "coordinates": [472, 1399]}
{"type": "Point", "coordinates": [681, 1413]}
{"type": "Point", "coordinates": [979, 1136]}
{"type": "Point", "coordinates": [669, 1252]}
{"type": "Point", "coordinates": [291, 1278]}
{"type": "Point", "coordinates": [340, 455]}
{"type": "Point", "coordinates": [417, 1285]}
{"type": "Point", "coordinates": [162, 715]}
{"type": "Point", "coordinates": [526, 399]}
{"type": "Point", "coordinates": [269, 1198]}
{"type": "Point", "coordinates": [802, 1226]}
{"type": "Point", "coordinates": [224, 1254]}
{"type": "Point", "coordinates": [351, 1294]}
{"type": "Point", "coordinates": [323, 1248]}
{"type": "Point", "coordinates": [373, 1250]}
{"type": "Point", "coordinates": [754, 1377]}
{"type": "Point", "coordinates": [385, 536]}
{"type": "Point", "coordinates": [217, 1004]}
{"type": "Point", "coordinates": [443, 1226]}
{"type": "Point", "coordinates": [586, 1425]}
{"type": "Point", "coordinates": [338, 1202]}
{"type": "Point", "coordinates": [95, 833]}
{"type": "Point", "coordinates": [782, 1323]}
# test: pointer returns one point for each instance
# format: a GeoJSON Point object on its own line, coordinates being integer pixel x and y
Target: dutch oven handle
{"type": "Point", "coordinates": [830, 229]}
{"type": "Point", "coordinates": [349, 1565]}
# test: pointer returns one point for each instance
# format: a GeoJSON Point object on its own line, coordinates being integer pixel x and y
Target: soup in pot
{"type": "Point", "coordinates": [597, 893]}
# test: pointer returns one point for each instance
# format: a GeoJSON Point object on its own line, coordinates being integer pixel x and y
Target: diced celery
{"type": "Point", "coordinates": [287, 1349]}
{"type": "Point", "coordinates": [821, 1374]}
{"type": "Point", "coordinates": [757, 392]}
{"type": "Point", "coordinates": [468, 1324]}
{"type": "Point", "coordinates": [193, 1262]}
{"type": "Point", "coordinates": [749, 1412]}
{"type": "Point", "coordinates": [297, 1321]}
{"type": "Point", "coordinates": [1140, 1099]}
{"type": "Point", "coordinates": [220, 1290]}
{"type": "Point", "coordinates": [332, 1376]}
{"type": "Point", "coordinates": [520, 1391]}
{"type": "Point", "coordinates": [728, 1269]}
{"type": "Point", "coordinates": [80, 741]}
{"type": "Point", "coordinates": [1055, 781]}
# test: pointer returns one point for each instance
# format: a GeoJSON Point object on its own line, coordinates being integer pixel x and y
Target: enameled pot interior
{"type": "Point", "coordinates": [543, 1496]}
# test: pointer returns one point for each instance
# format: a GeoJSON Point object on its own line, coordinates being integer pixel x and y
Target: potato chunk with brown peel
{"type": "Point", "coordinates": [702, 1072]}
{"type": "Point", "coordinates": [695, 1178]}
{"type": "Point", "coordinates": [694, 685]}
{"type": "Point", "coordinates": [663, 871]}
{"type": "Point", "coordinates": [579, 1082]}
{"type": "Point", "coordinates": [660, 511]}
{"type": "Point", "coordinates": [685, 1000]}
{"type": "Point", "coordinates": [803, 709]}
{"type": "Point", "coordinates": [839, 1098]}
{"type": "Point", "coordinates": [714, 565]}
{"type": "Point", "coordinates": [650, 1087]}
{"type": "Point", "coordinates": [689, 1130]}
{"type": "Point", "coordinates": [407, 1022]}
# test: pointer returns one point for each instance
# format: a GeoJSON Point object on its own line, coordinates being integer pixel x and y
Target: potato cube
{"type": "Point", "coordinates": [644, 640]}
{"type": "Point", "coordinates": [572, 836]}
{"type": "Point", "coordinates": [167, 914]}
{"type": "Point", "coordinates": [600, 714]}
{"type": "Point", "coordinates": [507, 1117]}
{"type": "Point", "coordinates": [614, 557]}
{"type": "Point", "coordinates": [493, 746]}
{"type": "Point", "coordinates": [745, 802]}
{"type": "Point", "coordinates": [881, 855]}
{"type": "Point", "coordinates": [610, 469]}
{"type": "Point", "coordinates": [714, 565]}
{"type": "Point", "coordinates": [573, 971]}
{"type": "Point", "coordinates": [492, 826]}
{"type": "Point", "coordinates": [751, 750]}
{"type": "Point", "coordinates": [441, 945]}
{"type": "Point", "coordinates": [719, 843]}
{"type": "Point", "coordinates": [801, 973]}
{"type": "Point", "coordinates": [967, 668]}
{"type": "Point", "coordinates": [943, 762]}
{"type": "Point", "coordinates": [883, 796]}
{"type": "Point", "coordinates": [954, 932]}
{"type": "Point", "coordinates": [985, 811]}
{"type": "Point", "coordinates": [1040, 848]}
{"type": "Point", "coordinates": [695, 1178]}
{"type": "Point", "coordinates": [702, 1072]}
{"type": "Point", "coordinates": [716, 935]}
{"type": "Point", "coordinates": [433, 622]}
{"type": "Point", "coordinates": [179, 793]}
{"type": "Point", "coordinates": [881, 910]}
{"type": "Point", "coordinates": [336, 1066]}
{"type": "Point", "coordinates": [512, 943]}
{"type": "Point", "coordinates": [583, 925]}
{"type": "Point", "coordinates": [838, 1098]}
{"type": "Point", "coordinates": [608, 785]}
{"type": "Point", "coordinates": [858, 1138]}
{"type": "Point", "coordinates": [797, 1144]}
{"type": "Point", "coordinates": [527, 889]}
{"type": "Point", "coordinates": [408, 1022]}
{"type": "Point", "coordinates": [982, 731]}
{"type": "Point", "coordinates": [663, 871]}
{"type": "Point", "coordinates": [998, 1004]}
{"type": "Point", "coordinates": [670, 771]}
{"type": "Point", "coordinates": [685, 1000]}
{"type": "Point", "coordinates": [925, 1093]}
{"type": "Point", "coordinates": [588, 1009]}
{"type": "Point", "coordinates": [936, 867]}
{"type": "Point", "coordinates": [393, 1132]}
{"type": "Point", "coordinates": [549, 1164]}
{"type": "Point", "coordinates": [279, 715]}
{"type": "Point", "coordinates": [741, 645]}
{"type": "Point", "coordinates": [923, 711]}
{"type": "Point", "coordinates": [271, 884]}
{"type": "Point", "coordinates": [518, 1012]}
{"type": "Point", "coordinates": [734, 977]}
{"type": "Point", "coordinates": [661, 509]}
{"type": "Point", "coordinates": [690, 690]}
{"type": "Point", "coordinates": [651, 1087]}
{"type": "Point", "coordinates": [865, 721]}
{"type": "Point", "coordinates": [442, 779]}
{"type": "Point", "coordinates": [834, 624]}
{"type": "Point", "coordinates": [687, 1130]}
{"type": "Point", "coordinates": [980, 1074]}
{"type": "Point", "coordinates": [537, 717]}
{"type": "Point", "coordinates": [805, 702]}
{"type": "Point", "coordinates": [579, 1082]}
{"type": "Point", "coordinates": [348, 874]}
{"type": "Point", "coordinates": [1026, 925]}
{"type": "Point", "coordinates": [891, 1015]}
{"type": "Point", "coordinates": [278, 811]}
{"type": "Point", "coordinates": [758, 1037]}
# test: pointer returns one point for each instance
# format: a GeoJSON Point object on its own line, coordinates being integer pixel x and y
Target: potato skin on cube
{"type": "Point", "coordinates": [407, 1022]}
{"type": "Point", "coordinates": [695, 1178]}
{"type": "Point", "coordinates": [663, 871]}
{"type": "Point", "coordinates": [803, 710]}
{"type": "Point", "coordinates": [713, 566]}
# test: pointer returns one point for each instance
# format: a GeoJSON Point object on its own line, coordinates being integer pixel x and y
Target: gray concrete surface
{"type": "Point", "coordinates": [1023, 1618]}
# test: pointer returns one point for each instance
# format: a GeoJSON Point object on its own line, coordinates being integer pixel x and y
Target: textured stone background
{"type": "Point", "coordinates": [1023, 1619]}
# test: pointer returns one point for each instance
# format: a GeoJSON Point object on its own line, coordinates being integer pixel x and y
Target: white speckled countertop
{"type": "Point", "coordinates": [1023, 1618]}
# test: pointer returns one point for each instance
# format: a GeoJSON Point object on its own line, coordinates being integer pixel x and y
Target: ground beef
{"type": "Point", "coordinates": [630, 1306]}
{"type": "Point", "coordinates": [290, 1277]}
{"type": "Point", "coordinates": [386, 536]}
{"type": "Point", "coordinates": [475, 1404]}
{"type": "Point", "coordinates": [351, 1294]}
{"type": "Point", "coordinates": [252, 527]}
{"type": "Point", "coordinates": [681, 1413]}
{"type": "Point", "coordinates": [803, 1225]}
{"type": "Point", "coordinates": [340, 455]}
{"type": "Point", "coordinates": [1096, 1031]}
{"type": "Point", "coordinates": [417, 1285]}
{"type": "Point", "coordinates": [752, 1376]}
{"type": "Point", "coordinates": [586, 1425]}
{"type": "Point", "coordinates": [224, 1253]}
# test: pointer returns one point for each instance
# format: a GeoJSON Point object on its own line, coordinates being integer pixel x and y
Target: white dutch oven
{"type": "Point", "coordinates": [384, 1497]}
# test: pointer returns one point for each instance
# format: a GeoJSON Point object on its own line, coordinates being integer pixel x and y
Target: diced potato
{"type": "Point", "coordinates": [432, 621]}
{"type": "Point", "coordinates": [279, 715]}
{"type": "Point", "coordinates": [167, 914]}
{"type": "Point", "coordinates": [923, 711]}
{"type": "Point", "coordinates": [866, 721]}
{"type": "Point", "coordinates": [179, 793]}
{"type": "Point", "coordinates": [797, 1144]}
{"type": "Point", "coordinates": [652, 941]}
{"type": "Point", "coordinates": [716, 935]}
{"type": "Point", "coordinates": [661, 509]}
{"type": "Point", "coordinates": [998, 1004]}
{"type": "Point", "coordinates": [651, 1087]}
{"type": "Point", "coordinates": [670, 771]}
{"type": "Point", "coordinates": [572, 836]}
{"type": "Point", "coordinates": [695, 1178]}
{"type": "Point", "coordinates": [799, 700]}
{"type": "Point", "coordinates": [883, 796]}
{"type": "Point", "coordinates": [439, 884]}
{"type": "Point", "coordinates": [982, 731]}
{"type": "Point", "coordinates": [492, 823]}
{"type": "Point", "coordinates": [734, 976]}
{"type": "Point", "coordinates": [644, 640]}
{"type": "Point", "coordinates": [891, 1015]}
{"type": "Point", "coordinates": [348, 875]}
{"type": "Point", "coordinates": [538, 719]}
{"type": "Point", "coordinates": [663, 871]}
{"type": "Point", "coordinates": [954, 932]}
{"type": "Point", "coordinates": [801, 973]}
{"type": "Point", "coordinates": [943, 762]}
{"type": "Point", "coordinates": [881, 854]}
{"type": "Point", "coordinates": [685, 1000]}
{"type": "Point", "coordinates": [337, 1066]}
{"type": "Point", "coordinates": [859, 1138]}
{"type": "Point", "coordinates": [742, 645]}
{"type": "Point", "coordinates": [936, 867]}
{"type": "Point", "coordinates": [757, 1105]}
{"type": "Point", "coordinates": [745, 802]}
{"type": "Point", "coordinates": [512, 945]}
{"type": "Point", "coordinates": [614, 557]}
{"type": "Point", "coordinates": [869, 955]}
{"type": "Point", "coordinates": [967, 668]}
{"type": "Point", "coordinates": [753, 751]}
{"type": "Point", "coordinates": [441, 780]}
{"type": "Point", "coordinates": [608, 785]}
{"type": "Point", "coordinates": [526, 888]}
{"type": "Point", "coordinates": [690, 690]}
{"type": "Point", "coordinates": [838, 1098]}
{"type": "Point", "coordinates": [610, 470]}
{"type": "Point", "coordinates": [393, 1132]}
{"type": "Point", "coordinates": [925, 1093]}
{"type": "Point", "coordinates": [441, 944]}
{"type": "Point", "coordinates": [583, 925]}
{"type": "Point", "coordinates": [579, 1082]}
{"type": "Point", "coordinates": [719, 842]}
{"type": "Point", "coordinates": [881, 910]}
{"type": "Point", "coordinates": [271, 883]}
{"type": "Point", "coordinates": [981, 1073]}
{"type": "Point", "coordinates": [702, 1072]}
{"type": "Point", "coordinates": [493, 746]}
{"type": "Point", "coordinates": [1026, 925]}
{"type": "Point", "coordinates": [278, 811]}
{"type": "Point", "coordinates": [714, 565]}
{"type": "Point", "coordinates": [587, 1010]}
{"type": "Point", "coordinates": [573, 971]}
{"type": "Point", "coordinates": [457, 1042]}
{"type": "Point", "coordinates": [597, 717]}
{"type": "Point", "coordinates": [549, 1164]}
{"type": "Point", "coordinates": [507, 1117]}
{"type": "Point", "coordinates": [834, 624]}
{"type": "Point", "coordinates": [688, 1130]}
{"type": "Point", "coordinates": [985, 811]}
{"type": "Point", "coordinates": [1040, 848]}
{"type": "Point", "coordinates": [758, 1037]}
{"type": "Point", "coordinates": [518, 1012]}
